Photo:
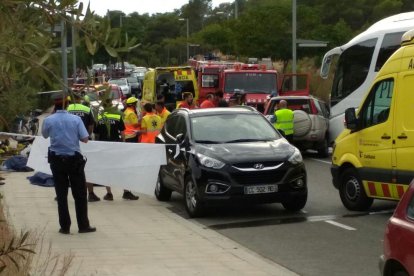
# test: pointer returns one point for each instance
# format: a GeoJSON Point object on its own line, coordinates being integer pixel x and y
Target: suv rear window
{"type": "Point", "coordinates": [295, 104]}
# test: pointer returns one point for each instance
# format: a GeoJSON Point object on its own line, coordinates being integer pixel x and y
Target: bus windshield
{"type": "Point", "coordinates": [250, 82]}
{"type": "Point", "coordinates": [352, 69]}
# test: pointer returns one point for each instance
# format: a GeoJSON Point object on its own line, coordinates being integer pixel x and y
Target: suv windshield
{"type": "Point", "coordinates": [228, 128]}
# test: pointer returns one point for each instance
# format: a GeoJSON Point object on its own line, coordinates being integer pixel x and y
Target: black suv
{"type": "Point", "coordinates": [222, 155]}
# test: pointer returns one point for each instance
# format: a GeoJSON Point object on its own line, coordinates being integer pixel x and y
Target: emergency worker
{"type": "Point", "coordinates": [131, 121]}
{"type": "Point", "coordinates": [188, 101]}
{"type": "Point", "coordinates": [209, 102]}
{"type": "Point", "coordinates": [110, 127]}
{"type": "Point", "coordinates": [85, 113]}
{"type": "Point", "coordinates": [150, 125]}
{"type": "Point", "coordinates": [162, 111]}
{"type": "Point", "coordinates": [284, 120]}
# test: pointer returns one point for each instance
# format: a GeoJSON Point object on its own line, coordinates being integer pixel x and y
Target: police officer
{"type": "Point", "coordinates": [67, 164]}
{"type": "Point", "coordinates": [85, 113]}
{"type": "Point", "coordinates": [284, 120]}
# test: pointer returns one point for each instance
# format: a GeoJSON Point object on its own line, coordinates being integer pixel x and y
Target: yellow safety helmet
{"type": "Point", "coordinates": [131, 100]}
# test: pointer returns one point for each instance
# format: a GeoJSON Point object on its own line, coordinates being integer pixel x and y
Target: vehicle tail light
{"type": "Point", "coordinates": [314, 110]}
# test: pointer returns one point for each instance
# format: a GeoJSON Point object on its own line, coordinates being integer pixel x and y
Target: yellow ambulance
{"type": "Point", "coordinates": [169, 83]}
{"type": "Point", "coordinates": [374, 156]}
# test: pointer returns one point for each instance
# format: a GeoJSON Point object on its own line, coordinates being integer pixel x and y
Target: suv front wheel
{"type": "Point", "coordinates": [161, 192]}
{"type": "Point", "coordinates": [296, 203]}
{"type": "Point", "coordinates": [192, 202]}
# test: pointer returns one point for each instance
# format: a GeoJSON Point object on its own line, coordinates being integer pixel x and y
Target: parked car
{"type": "Point", "coordinates": [135, 86]}
{"type": "Point", "coordinates": [398, 257]}
{"type": "Point", "coordinates": [99, 67]}
{"type": "Point", "coordinates": [311, 121]}
{"type": "Point", "coordinates": [123, 83]}
{"type": "Point", "coordinates": [227, 155]}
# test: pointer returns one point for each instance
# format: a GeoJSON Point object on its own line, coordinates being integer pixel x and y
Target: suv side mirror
{"type": "Point", "coordinates": [351, 121]}
{"type": "Point", "coordinates": [182, 140]}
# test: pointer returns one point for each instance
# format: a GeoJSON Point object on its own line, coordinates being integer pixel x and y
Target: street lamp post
{"type": "Point", "coordinates": [188, 35]}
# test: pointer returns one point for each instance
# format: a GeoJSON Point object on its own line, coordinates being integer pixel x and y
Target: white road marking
{"type": "Point", "coordinates": [382, 212]}
{"type": "Point", "coordinates": [340, 225]}
{"type": "Point", "coordinates": [319, 160]}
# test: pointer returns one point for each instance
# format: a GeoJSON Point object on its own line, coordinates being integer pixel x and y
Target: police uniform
{"type": "Point", "coordinates": [67, 165]}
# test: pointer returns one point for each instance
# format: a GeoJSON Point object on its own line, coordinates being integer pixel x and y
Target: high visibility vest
{"type": "Point", "coordinates": [151, 122]}
{"type": "Point", "coordinates": [82, 111]}
{"type": "Point", "coordinates": [104, 119]}
{"type": "Point", "coordinates": [130, 119]}
{"type": "Point", "coordinates": [284, 120]}
{"type": "Point", "coordinates": [164, 115]}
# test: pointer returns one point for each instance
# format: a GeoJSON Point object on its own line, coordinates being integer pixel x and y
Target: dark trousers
{"type": "Point", "coordinates": [70, 170]}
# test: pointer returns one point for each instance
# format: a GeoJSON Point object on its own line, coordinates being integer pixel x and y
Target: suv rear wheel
{"type": "Point", "coordinates": [352, 192]}
{"type": "Point", "coordinates": [323, 148]}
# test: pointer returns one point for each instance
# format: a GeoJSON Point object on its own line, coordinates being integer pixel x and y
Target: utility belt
{"type": "Point", "coordinates": [77, 159]}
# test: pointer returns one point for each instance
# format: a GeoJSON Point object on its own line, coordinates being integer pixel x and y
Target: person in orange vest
{"type": "Point", "coordinates": [188, 101]}
{"type": "Point", "coordinates": [162, 111]}
{"type": "Point", "coordinates": [150, 124]}
{"type": "Point", "coordinates": [209, 101]}
{"type": "Point", "coordinates": [131, 121]}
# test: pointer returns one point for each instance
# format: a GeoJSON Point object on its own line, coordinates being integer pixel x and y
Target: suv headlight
{"type": "Point", "coordinates": [296, 157]}
{"type": "Point", "coordinates": [210, 162]}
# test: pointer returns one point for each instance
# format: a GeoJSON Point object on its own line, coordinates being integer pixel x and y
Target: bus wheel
{"type": "Point", "coordinates": [352, 192]}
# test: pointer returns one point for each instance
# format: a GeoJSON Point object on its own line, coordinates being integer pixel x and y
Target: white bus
{"type": "Point", "coordinates": [358, 62]}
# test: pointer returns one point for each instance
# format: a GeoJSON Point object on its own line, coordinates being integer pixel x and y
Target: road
{"type": "Point", "coordinates": [323, 239]}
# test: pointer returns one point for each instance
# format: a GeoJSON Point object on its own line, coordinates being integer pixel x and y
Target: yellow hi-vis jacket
{"type": "Point", "coordinates": [284, 120]}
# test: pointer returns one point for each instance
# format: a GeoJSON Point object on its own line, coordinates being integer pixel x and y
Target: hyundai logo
{"type": "Point", "coordinates": [258, 166]}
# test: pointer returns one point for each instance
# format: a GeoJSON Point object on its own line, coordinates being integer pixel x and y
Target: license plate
{"type": "Point", "coordinates": [260, 189]}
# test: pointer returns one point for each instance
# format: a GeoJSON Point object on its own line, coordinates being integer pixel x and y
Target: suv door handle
{"type": "Point", "coordinates": [402, 136]}
{"type": "Point", "coordinates": [385, 137]}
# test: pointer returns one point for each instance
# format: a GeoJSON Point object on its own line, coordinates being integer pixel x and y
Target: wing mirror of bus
{"type": "Point", "coordinates": [351, 121]}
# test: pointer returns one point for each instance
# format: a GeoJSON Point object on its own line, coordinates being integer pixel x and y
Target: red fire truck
{"type": "Point", "coordinates": [209, 75]}
{"type": "Point", "coordinates": [253, 80]}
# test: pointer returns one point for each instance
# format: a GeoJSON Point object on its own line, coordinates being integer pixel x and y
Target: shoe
{"type": "Point", "coordinates": [108, 196]}
{"type": "Point", "coordinates": [64, 231]}
{"type": "Point", "coordinates": [2, 178]}
{"type": "Point", "coordinates": [87, 230]}
{"type": "Point", "coordinates": [92, 197]}
{"type": "Point", "coordinates": [130, 196]}
{"type": "Point", "coordinates": [2, 183]}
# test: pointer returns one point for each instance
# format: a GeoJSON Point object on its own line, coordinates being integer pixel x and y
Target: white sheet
{"type": "Point", "coordinates": [131, 166]}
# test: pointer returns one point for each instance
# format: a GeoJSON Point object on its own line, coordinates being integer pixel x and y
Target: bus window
{"type": "Point", "coordinates": [390, 44]}
{"type": "Point", "coordinates": [352, 69]}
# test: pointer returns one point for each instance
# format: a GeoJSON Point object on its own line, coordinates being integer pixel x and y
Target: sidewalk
{"type": "Point", "coordinates": [133, 237]}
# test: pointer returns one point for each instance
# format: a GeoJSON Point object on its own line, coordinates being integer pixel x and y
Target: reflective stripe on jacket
{"type": "Point", "coordinates": [284, 120]}
{"type": "Point", "coordinates": [130, 119]}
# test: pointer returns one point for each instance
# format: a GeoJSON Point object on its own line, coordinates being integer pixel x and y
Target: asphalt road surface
{"type": "Point", "coordinates": [322, 239]}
